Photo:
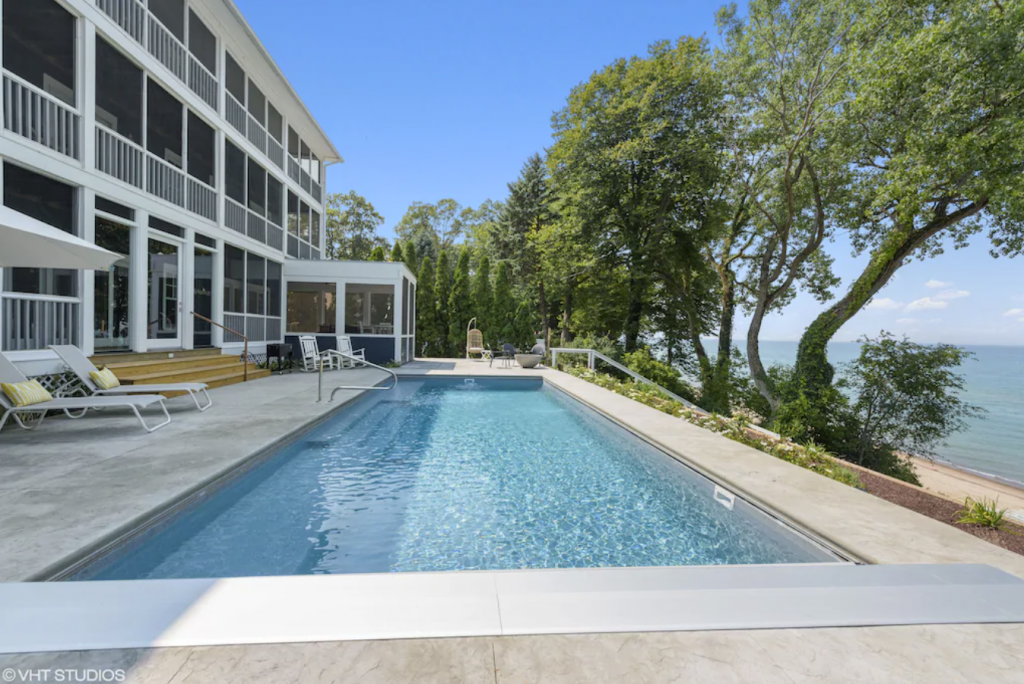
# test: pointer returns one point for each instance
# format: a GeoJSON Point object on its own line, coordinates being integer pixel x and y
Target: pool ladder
{"type": "Point", "coordinates": [335, 352]}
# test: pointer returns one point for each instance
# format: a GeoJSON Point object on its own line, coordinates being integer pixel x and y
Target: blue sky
{"type": "Point", "coordinates": [427, 100]}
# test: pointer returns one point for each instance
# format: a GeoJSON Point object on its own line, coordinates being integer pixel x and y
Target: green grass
{"type": "Point", "coordinates": [985, 512]}
{"type": "Point", "coordinates": [809, 456]}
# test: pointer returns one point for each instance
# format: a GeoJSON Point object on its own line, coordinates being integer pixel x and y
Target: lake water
{"type": "Point", "coordinates": [994, 378]}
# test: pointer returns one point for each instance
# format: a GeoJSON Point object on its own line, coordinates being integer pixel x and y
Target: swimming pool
{"type": "Point", "coordinates": [459, 474]}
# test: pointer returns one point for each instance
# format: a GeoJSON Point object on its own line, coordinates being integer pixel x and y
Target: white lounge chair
{"type": "Point", "coordinates": [10, 373]}
{"type": "Point", "coordinates": [311, 357]}
{"type": "Point", "coordinates": [75, 359]}
{"type": "Point", "coordinates": [345, 347]}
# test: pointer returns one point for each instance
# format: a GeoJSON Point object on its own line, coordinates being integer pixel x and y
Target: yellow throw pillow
{"type": "Point", "coordinates": [26, 393]}
{"type": "Point", "coordinates": [105, 378]}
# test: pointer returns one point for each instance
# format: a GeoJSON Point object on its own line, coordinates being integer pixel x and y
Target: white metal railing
{"type": "Point", "coordinates": [168, 50]}
{"type": "Point", "coordinates": [273, 329]}
{"type": "Point", "coordinates": [40, 117]}
{"type": "Point", "coordinates": [593, 354]}
{"type": "Point", "coordinates": [202, 199]}
{"type": "Point", "coordinates": [275, 236]}
{"type": "Point", "coordinates": [202, 82]}
{"type": "Point", "coordinates": [256, 227]}
{"type": "Point", "coordinates": [234, 215]}
{"type": "Point", "coordinates": [306, 181]}
{"type": "Point", "coordinates": [35, 321]}
{"type": "Point", "coordinates": [353, 359]}
{"type": "Point", "coordinates": [256, 328]}
{"type": "Point", "coordinates": [275, 152]}
{"type": "Point", "coordinates": [234, 112]}
{"type": "Point", "coordinates": [315, 191]}
{"type": "Point", "coordinates": [119, 157]}
{"type": "Point", "coordinates": [294, 171]}
{"type": "Point", "coordinates": [128, 14]}
{"type": "Point", "coordinates": [256, 133]}
{"type": "Point", "coordinates": [164, 180]}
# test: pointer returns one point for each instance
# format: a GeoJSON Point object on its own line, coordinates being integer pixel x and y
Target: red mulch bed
{"type": "Point", "coordinates": [1010, 537]}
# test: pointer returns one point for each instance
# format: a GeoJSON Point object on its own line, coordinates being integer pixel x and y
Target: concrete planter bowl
{"type": "Point", "coordinates": [528, 360]}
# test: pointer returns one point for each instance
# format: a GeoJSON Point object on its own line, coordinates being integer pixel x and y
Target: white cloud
{"type": "Point", "coordinates": [926, 303]}
{"type": "Point", "coordinates": [1014, 312]}
{"type": "Point", "coordinates": [906, 321]}
{"type": "Point", "coordinates": [884, 303]}
{"type": "Point", "coordinates": [936, 284]}
{"type": "Point", "coordinates": [953, 294]}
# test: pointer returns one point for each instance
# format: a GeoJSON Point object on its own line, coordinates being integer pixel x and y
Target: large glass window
{"type": "Point", "coordinates": [314, 167]}
{"type": "Point", "coordinates": [163, 290]}
{"type": "Point", "coordinates": [293, 213]}
{"type": "Point", "coordinates": [303, 221]}
{"type": "Point", "coordinates": [49, 201]}
{"type": "Point", "coordinates": [314, 221]}
{"type": "Point", "coordinates": [257, 185]}
{"type": "Point", "coordinates": [273, 288]}
{"type": "Point", "coordinates": [201, 143]}
{"type": "Point", "coordinates": [256, 274]}
{"type": "Point", "coordinates": [369, 309]}
{"type": "Point", "coordinates": [163, 124]}
{"type": "Point", "coordinates": [118, 92]}
{"type": "Point", "coordinates": [234, 172]}
{"type": "Point", "coordinates": [257, 104]}
{"type": "Point", "coordinates": [293, 142]}
{"type": "Point", "coordinates": [275, 197]}
{"type": "Point", "coordinates": [275, 123]}
{"type": "Point", "coordinates": [110, 289]}
{"type": "Point", "coordinates": [312, 307]}
{"type": "Point", "coordinates": [171, 14]}
{"type": "Point", "coordinates": [234, 279]}
{"type": "Point", "coordinates": [202, 43]}
{"type": "Point", "coordinates": [202, 303]}
{"type": "Point", "coordinates": [234, 78]}
{"type": "Point", "coordinates": [39, 45]}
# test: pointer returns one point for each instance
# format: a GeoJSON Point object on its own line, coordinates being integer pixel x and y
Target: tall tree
{"type": "Point", "coordinates": [933, 129]}
{"type": "Point", "coordinates": [411, 258]}
{"type": "Point", "coordinates": [442, 293]}
{"type": "Point", "coordinates": [460, 305]}
{"type": "Point", "coordinates": [504, 309]}
{"type": "Point", "coordinates": [377, 254]}
{"type": "Point", "coordinates": [426, 310]}
{"type": "Point", "coordinates": [636, 154]}
{"type": "Point", "coordinates": [525, 214]}
{"type": "Point", "coordinates": [352, 224]}
{"type": "Point", "coordinates": [396, 252]}
{"type": "Point", "coordinates": [483, 298]}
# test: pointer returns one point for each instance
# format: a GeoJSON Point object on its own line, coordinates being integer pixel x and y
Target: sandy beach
{"type": "Point", "coordinates": [955, 485]}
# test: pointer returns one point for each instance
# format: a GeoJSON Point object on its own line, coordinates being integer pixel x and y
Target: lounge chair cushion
{"type": "Point", "coordinates": [105, 378]}
{"type": "Point", "coordinates": [26, 393]}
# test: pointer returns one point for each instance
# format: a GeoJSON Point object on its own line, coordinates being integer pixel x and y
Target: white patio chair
{"type": "Point", "coordinates": [311, 357]}
{"type": "Point", "coordinates": [75, 359]}
{"type": "Point", "coordinates": [10, 373]}
{"type": "Point", "coordinates": [345, 347]}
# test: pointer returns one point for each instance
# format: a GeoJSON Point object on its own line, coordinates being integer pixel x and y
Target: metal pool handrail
{"type": "Point", "coordinates": [594, 354]}
{"type": "Point", "coordinates": [335, 352]}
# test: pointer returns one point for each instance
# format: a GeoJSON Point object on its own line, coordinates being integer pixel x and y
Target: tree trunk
{"type": "Point", "coordinates": [757, 372]}
{"type": "Point", "coordinates": [567, 316]}
{"type": "Point", "coordinates": [716, 384]}
{"type": "Point", "coordinates": [813, 371]}
{"type": "Point", "coordinates": [545, 323]}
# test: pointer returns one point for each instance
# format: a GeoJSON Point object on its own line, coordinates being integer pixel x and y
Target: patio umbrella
{"type": "Point", "coordinates": [26, 242]}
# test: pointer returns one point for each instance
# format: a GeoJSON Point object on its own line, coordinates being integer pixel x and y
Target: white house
{"type": "Point", "coordinates": [164, 131]}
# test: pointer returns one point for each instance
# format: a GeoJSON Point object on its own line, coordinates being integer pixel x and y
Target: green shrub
{"type": "Point", "coordinates": [659, 372]}
{"type": "Point", "coordinates": [985, 513]}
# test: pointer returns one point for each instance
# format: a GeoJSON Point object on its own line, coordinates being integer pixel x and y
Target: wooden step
{"type": "Point", "coordinates": [189, 374]}
{"type": "Point", "coordinates": [135, 368]}
{"type": "Point", "coordinates": [226, 379]}
{"type": "Point", "coordinates": [129, 357]}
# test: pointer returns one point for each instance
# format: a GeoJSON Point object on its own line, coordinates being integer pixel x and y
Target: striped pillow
{"type": "Point", "coordinates": [26, 393]}
{"type": "Point", "coordinates": [105, 378]}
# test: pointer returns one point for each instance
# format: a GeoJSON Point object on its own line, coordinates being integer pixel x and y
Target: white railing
{"type": "Point", "coordinates": [593, 354]}
{"type": "Point", "coordinates": [235, 113]}
{"type": "Point", "coordinates": [275, 236]}
{"type": "Point", "coordinates": [202, 82]}
{"type": "Point", "coordinates": [119, 157]}
{"type": "Point", "coordinates": [315, 191]}
{"type": "Point", "coordinates": [256, 134]}
{"type": "Point", "coordinates": [40, 117]}
{"type": "Point", "coordinates": [235, 322]}
{"type": "Point", "coordinates": [128, 14]}
{"type": "Point", "coordinates": [165, 181]}
{"type": "Point", "coordinates": [257, 328]}
{"type": "Point", "coordinates": [256, 227]}
{"type": "Point", "coordinates": [167, 49]}
{"type": "Point", "coordinates": [294, 172]}
{"type": "Point", "coordinates": [273, 329]}
{"type": "Point", "coordinates": [202, 199]}
{"type": "Point", "coordinates": [306, 181]}
{"type": "Point", "coordinates": [275, 152]}
{"type": "Point", "coordinates": [234, 215]}
{"type": "Point", "coordinates": [35, 321]}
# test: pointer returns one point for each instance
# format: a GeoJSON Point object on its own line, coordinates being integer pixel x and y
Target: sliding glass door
{"type": "Point", "coordinates": [164, 311]}
{"type": "Point", "coordinates": [111, 288]}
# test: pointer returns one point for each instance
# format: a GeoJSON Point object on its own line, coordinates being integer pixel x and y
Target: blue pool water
{"type": "Point", "coordinates": [454, 475]}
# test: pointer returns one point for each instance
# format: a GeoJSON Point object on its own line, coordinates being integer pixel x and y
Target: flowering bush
{"type": "Point", "coordinates": [738, 427]}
